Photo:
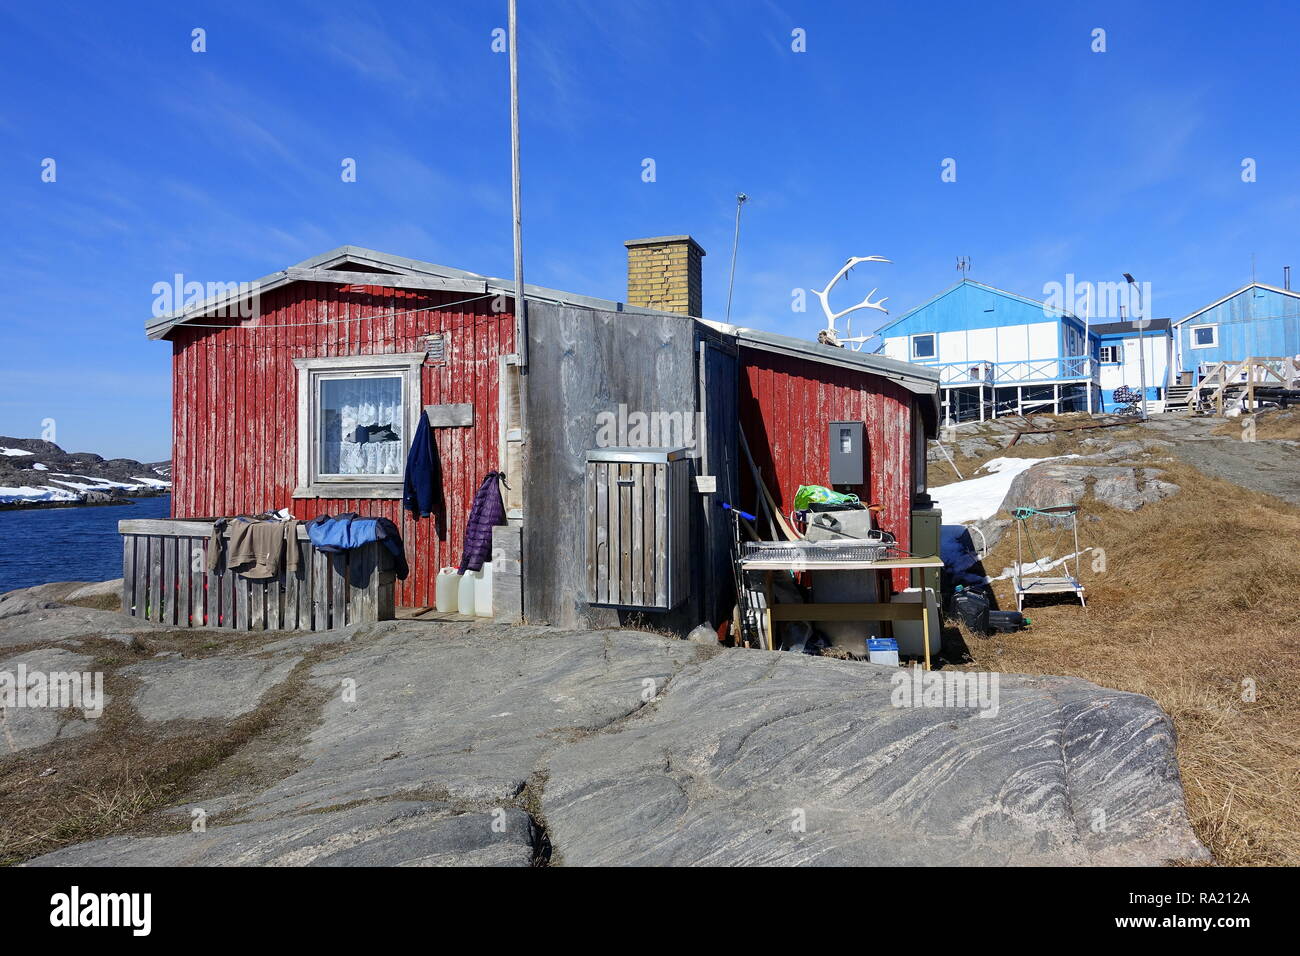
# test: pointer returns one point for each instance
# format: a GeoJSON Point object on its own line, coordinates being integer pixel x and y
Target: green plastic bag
{"type": "Point", "coordinates": [809, 495]}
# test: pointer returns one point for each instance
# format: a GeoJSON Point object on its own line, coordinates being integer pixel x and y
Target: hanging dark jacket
{"type": "Point", "coordinates": [422, 485]}
{"type": "Point", "coordinates": [487, 512]}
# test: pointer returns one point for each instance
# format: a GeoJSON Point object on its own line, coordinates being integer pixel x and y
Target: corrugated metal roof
{"type": "Point", "coordinates": [393, 266]}
{"type": "Point", "coordinates": [915, 378]}
{"type": "Point", "coordinates": [1126, 328]}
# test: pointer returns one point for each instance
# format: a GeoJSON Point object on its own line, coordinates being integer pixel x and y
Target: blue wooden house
{"type": "Point", "coordinates": [1257, 321]}
{"type": "Point", "coordinates": [998, 352]}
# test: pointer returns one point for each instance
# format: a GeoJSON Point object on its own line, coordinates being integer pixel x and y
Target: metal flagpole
{"type": "Point", "coordinates": [1140, 322]}
{"type": "Point", "coordinates": [521, 305]}
{"type": "Point", "coordinates": [1087, 345]}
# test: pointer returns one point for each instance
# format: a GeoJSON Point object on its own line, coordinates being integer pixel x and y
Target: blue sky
{"type": "Point", "coordinates": [225, 165]}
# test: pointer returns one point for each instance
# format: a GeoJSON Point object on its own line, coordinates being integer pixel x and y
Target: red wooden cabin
{"type": "Point", "coordinates": [266, 376]}
{"type": "Point", "coordinates": [235, 394]}
{"type": "Point", "coordinates": [788, 396]}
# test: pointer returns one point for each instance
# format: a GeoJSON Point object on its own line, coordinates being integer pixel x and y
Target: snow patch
{"type": "Point", "coordinates": [98, 484]}
{"type": "Point", "coordinates": [15, 452]}
{"type": "Point", "coordinates": [978, 498]}
{"type": "Point", "coordinates": [11, 496]}
{"type": "Point", "coordinates": [152, 482]}
{"type": "Point", "coordinates": [965, 502]}
{"type": "Point", "coordinates": [37, 466]}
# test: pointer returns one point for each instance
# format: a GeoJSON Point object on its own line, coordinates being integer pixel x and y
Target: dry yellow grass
{"type": "Point", "coordinates": [1199, 597]}
{"type": "Point", "coordinates": [1279, 423]}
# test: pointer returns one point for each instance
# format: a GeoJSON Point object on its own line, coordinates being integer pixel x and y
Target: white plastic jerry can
{"type": "Point", "coordinates": [445, 587]}
{"type": "Point", "coordinates": [465, 593]}
{"type": "Point", "coordinates": [483, 591]}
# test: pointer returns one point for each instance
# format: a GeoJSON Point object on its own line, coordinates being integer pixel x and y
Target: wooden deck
{"type": "Point", "coordinates": [433, 614]}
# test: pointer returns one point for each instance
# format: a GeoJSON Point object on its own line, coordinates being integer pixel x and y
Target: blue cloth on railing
{"type": "Point", "coordinates": [349, 530]}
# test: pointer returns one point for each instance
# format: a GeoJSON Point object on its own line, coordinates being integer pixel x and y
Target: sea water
{"type": "Point", "coordinates": [40, 545]}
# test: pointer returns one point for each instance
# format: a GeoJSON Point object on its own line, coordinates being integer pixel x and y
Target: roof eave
{"type": "Point", "coordinates": [1248, 286]}
{"type": "Point", "coordinates": [915, 378]}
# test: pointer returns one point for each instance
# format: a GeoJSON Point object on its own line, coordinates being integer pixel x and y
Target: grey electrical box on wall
{"type": "Point", "coordinates": [848, 442]}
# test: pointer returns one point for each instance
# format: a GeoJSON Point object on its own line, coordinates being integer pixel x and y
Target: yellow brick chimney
{"type": "Point", "coordinates": [665, 273]}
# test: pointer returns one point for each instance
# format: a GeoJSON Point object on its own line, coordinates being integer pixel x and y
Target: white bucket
{"type": "Point", "coordinates": [465, 592]}
{"type": "Point", "coordinates": [445, 587]}
{"type": "Point", "coordinates": [483, 591]}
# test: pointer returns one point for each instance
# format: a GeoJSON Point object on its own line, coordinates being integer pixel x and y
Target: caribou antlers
{"type": "Point", "coordinates": [828, 335]}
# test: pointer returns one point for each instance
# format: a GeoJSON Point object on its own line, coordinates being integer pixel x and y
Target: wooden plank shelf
{"type": "Point", "coordinates": [165, 579]}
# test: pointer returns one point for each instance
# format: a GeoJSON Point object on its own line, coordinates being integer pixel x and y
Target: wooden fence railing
{"type": "Point", "coordinates": [165, 579]}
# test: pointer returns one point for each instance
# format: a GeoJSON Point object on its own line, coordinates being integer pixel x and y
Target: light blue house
{"type": "Point", "coordinates": [1259, 321]}
{"type": "Point", "coordinates": [998, 352]}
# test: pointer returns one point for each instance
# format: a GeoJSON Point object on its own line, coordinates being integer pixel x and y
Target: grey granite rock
{"type": "Point", "coordinates": [98, 589]}
{"type": "Point", "coordinates": [196, 689]}
{"type": "Point", "coordinates": [31, 619]}
{"type": "Point", "coordinates": [470, 714]}
{"type": "Point", "coordinates": [761, 759]}
{"type": "Point", "coordinates": [630, 747]}
{"type": "Point", "coordinates": [1054, 483]}
{"type": "Point", "coordinates": [26, 727]}
{"type": "Point", "coordinates": [399, 833]}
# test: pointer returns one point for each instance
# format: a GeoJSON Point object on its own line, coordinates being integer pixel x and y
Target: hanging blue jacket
{"type": "Point", "coordinates": [422, 485]}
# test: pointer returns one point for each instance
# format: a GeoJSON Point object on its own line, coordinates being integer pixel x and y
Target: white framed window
{"type": "Point", "coordinates": [1108, 353]}
{"type": "Point", "coordinates": [357, 415]}
{"type": "Point", "coordinates": [1204, 336]}
{"type": "Point", "coordinates": [923, 346]}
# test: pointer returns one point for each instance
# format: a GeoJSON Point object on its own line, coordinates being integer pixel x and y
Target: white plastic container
{"type": "Point", "coordinates": [465, 593]}
{"type": "Point", "coordinates": [483, 591]}
{"type": "Point", "coordinates": [445, 587]}
{"type": "Point", "coordinates": [882, 650]}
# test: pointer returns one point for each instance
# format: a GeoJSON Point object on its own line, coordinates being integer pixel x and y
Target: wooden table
{"type": "Point", "coordinates": [870, 611]}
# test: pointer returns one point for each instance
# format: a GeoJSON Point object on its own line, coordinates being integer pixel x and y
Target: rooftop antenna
{"type": "Point", "coordinates": [963, 265]}
{"type": "Point", "coordinates": [741, 199]}
{"type": "Point", "coordinates": [828, 335]}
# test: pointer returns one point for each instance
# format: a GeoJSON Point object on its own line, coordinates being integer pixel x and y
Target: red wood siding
{"type": "Point", "coordinates": [235, 401]}
{"type": "Point", "coordinates": [785, 405]}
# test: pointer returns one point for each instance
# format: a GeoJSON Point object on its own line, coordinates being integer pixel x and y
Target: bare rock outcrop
{"type": "Point", "coordinates": [515, 745]}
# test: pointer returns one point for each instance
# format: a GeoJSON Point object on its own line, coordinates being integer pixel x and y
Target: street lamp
{"type": "Point", "coordinates": [1140, 322]}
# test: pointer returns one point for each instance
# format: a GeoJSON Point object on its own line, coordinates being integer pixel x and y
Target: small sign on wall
{"type": "Point", "coordinates": [450, 416]}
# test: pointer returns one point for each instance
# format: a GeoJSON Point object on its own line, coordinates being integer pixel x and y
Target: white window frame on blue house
{"type": "Point", "coordinates": [1113, 351]}
{"type": "Point", "coordinates": [934, 345]}
{"type": "Point", "coordinates": [1213, 343]}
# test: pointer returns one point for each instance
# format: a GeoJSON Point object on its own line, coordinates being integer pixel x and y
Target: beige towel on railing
{"type": "Point", "coordinates": [256, 549]}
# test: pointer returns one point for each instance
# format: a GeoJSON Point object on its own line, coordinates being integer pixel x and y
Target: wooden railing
{"type": "Point", "coordinates": [1215, 379]}
{"type": "Point", "coordinates": [165, 579]}
{"type": "Point", "coordinates": [1023, 372]}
